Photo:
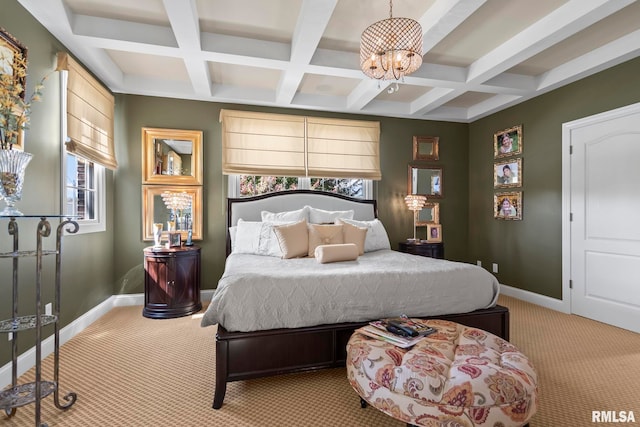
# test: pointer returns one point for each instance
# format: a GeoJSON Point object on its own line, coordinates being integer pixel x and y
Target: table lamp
{"type": "Point", "coordinates": [415, 203]}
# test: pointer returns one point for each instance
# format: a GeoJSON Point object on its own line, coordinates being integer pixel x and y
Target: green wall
{"type": "Point", "coordinates": [529, 252]}
{"type": "Point", "coordinates": [396, 153]}
{"type": "Point", "coordinates": [87, 261]}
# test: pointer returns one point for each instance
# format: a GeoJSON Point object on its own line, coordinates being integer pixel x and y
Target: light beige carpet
{"type": "Point", "coordinates": [136, 372]}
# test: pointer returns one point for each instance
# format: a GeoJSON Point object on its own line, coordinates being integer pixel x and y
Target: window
{"type": "Point", "coordinates": [84, 196]}
{"type": "Point", "coordinates": [87, 110]}
{"type": "Point", "coordinates": [253, 185]}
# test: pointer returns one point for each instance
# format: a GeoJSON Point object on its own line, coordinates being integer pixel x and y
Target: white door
{"type": "Point", "coordinates": [605, 226]}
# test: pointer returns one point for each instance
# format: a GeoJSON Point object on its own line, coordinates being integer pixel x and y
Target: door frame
{"type": "Point", "coordinates": [567, 129]}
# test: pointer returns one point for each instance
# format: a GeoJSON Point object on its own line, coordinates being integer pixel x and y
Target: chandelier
{"type": "Point", "coordinates": [177, 203]}
{"type": "Point", "coordinates": [392, 48]}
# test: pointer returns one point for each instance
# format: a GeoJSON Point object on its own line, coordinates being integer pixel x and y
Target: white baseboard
{"type": "Point", "coordinates": [541, 300]}
{"type": "Point", "coordinates": [27, 359]}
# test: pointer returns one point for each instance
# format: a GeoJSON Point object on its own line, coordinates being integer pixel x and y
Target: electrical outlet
{"type": "Point", "coordinates": [479, 263]}
{"type": "Point", "coordinates": [10, 335]}
{"type": "Point", "coordinates": [495, 267]}
{"type": "Point", "coordinates": [47, 309]}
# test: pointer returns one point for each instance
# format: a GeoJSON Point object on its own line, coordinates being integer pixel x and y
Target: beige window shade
{"type": "Point", "coordinates": [262, 143]}
{"type": "Point", "coordinates": [90, 111]}
{"type": "Point", "coordinates": [343, 148]}
{"type": "Point", "coordinates": [284, 145]}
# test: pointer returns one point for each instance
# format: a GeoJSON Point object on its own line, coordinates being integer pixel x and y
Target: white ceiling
{"type": "Point", "coordinates": [480, 56]}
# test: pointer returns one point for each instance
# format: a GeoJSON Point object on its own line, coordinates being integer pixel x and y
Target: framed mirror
{"type": "Point", "coordinates": [430, 214]}
{"type": "Point", "coordinates": [425, 148]}
{"type": "Point", "coordinates": [180, 204]}
{"type": "Point", "coordinates": [425, 180]}
{"type": "Point", "coordinates": [171, 156]}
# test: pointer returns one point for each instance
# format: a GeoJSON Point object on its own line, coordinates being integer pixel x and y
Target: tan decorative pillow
{"type": "Point", "coordinates": [323, 234]}
{"type": "Point", "coordinates": [335, 253]}
{"type": "Point", "coordinates": [354, 234]}
{"type": "Point", "coordinates": [293, 239]}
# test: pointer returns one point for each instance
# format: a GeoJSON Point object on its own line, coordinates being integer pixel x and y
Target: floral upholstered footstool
{"type": "Point", "coordinates": [458, 376]}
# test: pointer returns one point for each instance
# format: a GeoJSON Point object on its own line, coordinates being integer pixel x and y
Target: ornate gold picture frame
{"type": "Point", "coordinates": [425, 148]}
{"type": "Point", "coordinates": [507, 142]}
{"type": "Point", "coordinates": [507, 205]}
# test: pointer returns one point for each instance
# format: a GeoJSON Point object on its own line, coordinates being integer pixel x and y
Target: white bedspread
{"type": "Point", "coordinates": [261, 292]}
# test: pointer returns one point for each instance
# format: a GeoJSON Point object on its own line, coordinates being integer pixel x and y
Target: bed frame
{"type": "Point", "coordinates": [249, 355]}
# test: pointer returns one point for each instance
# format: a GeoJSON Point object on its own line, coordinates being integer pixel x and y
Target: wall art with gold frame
{"type": "Point", "coordinates": [426, 148]}
{"type": "Point", "coordinates": [171, 156]}
{"type": "Point", "coordinates": [430, 214]}
{"type": "Point", "coordinates": [154, 210]}
{"type": "Point", "coordinates": [508, 142]}
{"type": "Point", "coordinates": [10, 47]}
{"type": "Point", "coordinates": [508, 205]}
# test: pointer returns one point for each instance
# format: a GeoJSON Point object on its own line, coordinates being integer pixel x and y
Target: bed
{"type": "Point", "coordinates": [304, 312]}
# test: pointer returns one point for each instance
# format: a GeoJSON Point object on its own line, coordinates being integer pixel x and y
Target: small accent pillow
{"type": "Point", "coordinates": [354, 234]}
{"type": "Point", "coordinates": [320, 216]}
{"type": "Point", "coordinates": [293, 239]}
{"type": "Point", "coordinates": [377, 237]}
{"type": "Point", "coordinates": [256, 238]}
{"type": "Point", "coordinates": [334, 253]}
{"type": "Point", "coordinates": [323, 234]}
{"type": "Point", "coordinates": [288, 216]}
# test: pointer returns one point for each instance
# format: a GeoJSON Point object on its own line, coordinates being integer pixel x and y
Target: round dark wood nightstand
{"type": "Point", "coordinates": [171, 282]}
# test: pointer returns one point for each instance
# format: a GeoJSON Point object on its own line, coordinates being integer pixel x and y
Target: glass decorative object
{"type": "Point", "coordinates": [13, 164]}
{"type": "Point", "coordinates": [157, 234]}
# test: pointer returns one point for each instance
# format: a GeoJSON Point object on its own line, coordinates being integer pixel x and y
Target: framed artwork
{"type": "Point", "coordinates": [434, 233]}
{"type": "Point", "coordinates": [175, 240]}
{"type": "Point", "coordinates": [155, 210]}
{"type": "Point", "coordinates": [507, 142]}
{"type": "Point", "coordinates": [10, 47]}
{"type": "Point", "coordinates": [430, 214]}
{"type": "Point", "coordinates": [425, 148]}
{"type": "Point", "coordinates": [507, 173]}
{"type": "Point", "coordinates": [507, 205]}
{"type": "Point", "coordinates": [425, 180]}
{"type": "Point", "coordinates": [10, 51]}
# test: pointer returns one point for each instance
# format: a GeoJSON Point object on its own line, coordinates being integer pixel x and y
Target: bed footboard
{"type": "Point", "coordinates": [248, 355]}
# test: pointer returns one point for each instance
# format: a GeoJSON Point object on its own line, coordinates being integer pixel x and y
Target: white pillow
{"type": "Point", "coordinates": [256, 238]}
{"type": "Point", "coordinates": [376, 238]}
{"type": "Point", "coordinates": [232, 236]}
{"type": "Point", "coordinates": [288, 216]}
{"type": "Point", "coordinates": [320, 216]}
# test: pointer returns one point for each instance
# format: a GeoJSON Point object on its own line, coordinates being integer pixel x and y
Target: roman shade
{"type": "Point", "coordinates": [343, 148]}
{"type": "Point", "coordinates": [262, 144]}
{"type": "Point", "coordinates": [90, 111]}
{"type": "Point", "coordinates": [285, 145]}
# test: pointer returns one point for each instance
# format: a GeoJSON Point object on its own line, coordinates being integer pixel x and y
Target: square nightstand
{"type": "Point", "coordinates": [432, 250]}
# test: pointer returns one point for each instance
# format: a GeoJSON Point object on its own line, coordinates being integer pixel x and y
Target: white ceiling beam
{"type": "Point", "coordinates": [613, 53]}
{"type": "Point", "coordinates": [185, 24]}
{"type": "Point", "coordinates": [310, 26]}
{"type": "Point", "coordinates": [563, 22]}
{"type": "Point", "coordinates": [443, 17]}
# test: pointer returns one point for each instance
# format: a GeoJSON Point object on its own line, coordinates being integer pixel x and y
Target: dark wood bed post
{"type": "Point", "coordinates": [221, 373]}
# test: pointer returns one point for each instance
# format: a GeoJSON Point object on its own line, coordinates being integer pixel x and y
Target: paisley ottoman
{"type": "Point", "coordinates": [458, 376]}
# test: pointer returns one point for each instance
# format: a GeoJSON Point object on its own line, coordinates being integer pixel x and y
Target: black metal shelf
{"type": "Point", "coordinates": [24, 323]}
{"type": "Point", "coordinates": [22, 394]}
{"type": "Point", "coordinates": [25, 394]}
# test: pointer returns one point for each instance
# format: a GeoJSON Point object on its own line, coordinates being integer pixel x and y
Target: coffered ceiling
{"type": "Point", "coordinates": [480, 56]}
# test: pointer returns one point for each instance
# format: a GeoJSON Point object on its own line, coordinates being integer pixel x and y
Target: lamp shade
{"type": "Point", "coordinates": [415, 202]}
{"type": "Point", "coordinates": [392, 48]}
